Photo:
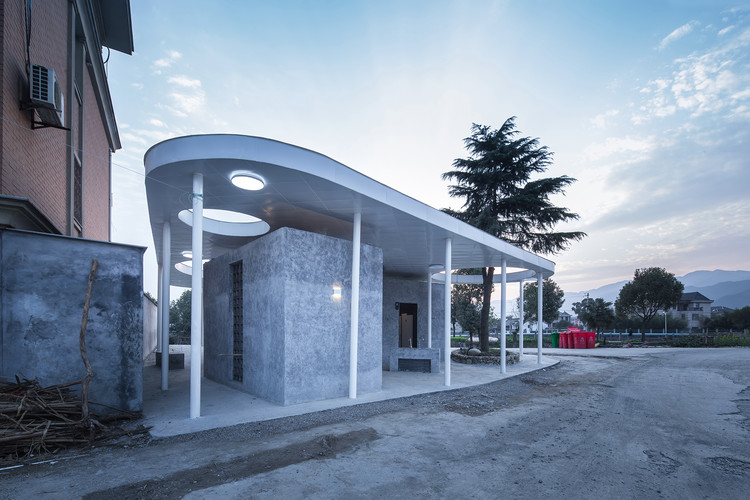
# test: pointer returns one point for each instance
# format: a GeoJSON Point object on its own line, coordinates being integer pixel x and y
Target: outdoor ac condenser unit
{"type": "Point", "coordinates": [46, 96]}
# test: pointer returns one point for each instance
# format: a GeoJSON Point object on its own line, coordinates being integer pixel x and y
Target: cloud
{"type": "Point", "coordinates": [726, 30]}
{"type": "Point", "coordinates": [693, 175]}
{"type": "Point", "coordinates": [186, 103]}
{"type": "Point", "coordinates": [619, 145]}
{"type": "Point", "coordinates": [706, 84]}
{"type": "Point", "coordinates": [600, 121]}
{"type": "Point", "coordinates": [713, 81]}
{"type": "Point", "coordinates": [167, 61]}
{"type": "Point", "coordinates": [184, 81]}
{"type": "Point", "coordinates": [677, 34]}
{"type": "Point", "coordinates": [133, 138]}
{"type": "Point", "coordinates": [187, 96]}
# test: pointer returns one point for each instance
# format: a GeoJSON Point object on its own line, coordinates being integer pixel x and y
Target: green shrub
{"type": "Point", "coordinates": [688, 341]}
{"type": "Point", "coordinates": [731, 340]}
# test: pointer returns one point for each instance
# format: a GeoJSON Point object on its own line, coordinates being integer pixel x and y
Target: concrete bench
{"type": "Point", "coordinates": [415, 359]}
{"type": "Point", "coordinates": [176, 360]}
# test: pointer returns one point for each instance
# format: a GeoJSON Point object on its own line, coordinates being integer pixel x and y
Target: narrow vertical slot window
{"type": "Point", "coordinates": [237, 327]}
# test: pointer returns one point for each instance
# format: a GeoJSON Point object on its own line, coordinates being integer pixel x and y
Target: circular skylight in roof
{"type": "Point", "coordinates": [186, 266]}
{"type": "Point", "coordinates": [227, 222]}
{"type": "Point", "coordinates": [228, 216]}
{"type": "Point", "coordinates": [248, 181]}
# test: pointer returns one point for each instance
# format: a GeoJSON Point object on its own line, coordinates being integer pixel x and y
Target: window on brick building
{"type": "Point", "coordinates": [78, 195]}
{"type": "Point", "coordinates": [78, 124]}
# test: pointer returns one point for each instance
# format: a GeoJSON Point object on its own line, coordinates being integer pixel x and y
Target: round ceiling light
{"type": "Point", "coordinates": [248, 181]}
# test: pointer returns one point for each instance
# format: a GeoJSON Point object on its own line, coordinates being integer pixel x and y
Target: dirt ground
{"type": "Point", "coordinates": [670, 425]}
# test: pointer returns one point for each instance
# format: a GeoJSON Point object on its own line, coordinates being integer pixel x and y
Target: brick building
{"type": "Point", "coordinates": [57, 133]}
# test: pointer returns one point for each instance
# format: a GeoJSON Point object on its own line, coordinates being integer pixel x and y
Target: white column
{"type": "Point", "coordinates": [503, 298]}
{"type": "Point", "coordinates": [429, 308]}
{"type": "Point", "coordinates": [196, 304]}
{"type": "Point", "coordinates": [539, 309]}
{"type": "Point", "coordinates": [447, 313]}
{"type": "Point", "coordinates": [166, 266]}
{"type": "Point", "coordinates": [158, 308]}
{"type": "Point", "coordinates": [354, 332]}
{"type": "Point", "coordinates": [520, 323]}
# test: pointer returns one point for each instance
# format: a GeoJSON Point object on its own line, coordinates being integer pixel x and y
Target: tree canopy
{"type": "Point", "coordinates": [552, 300]}
{"type": "Point", "coordinates": [595, 313]}
{"type": "Point", "coordinates": [466, 305]}
{"type": "Point", "coordinates": [179, 314]}
{"type": "Point", "coordinates": [501, 198]}
{"type": "Point", "coordinates": [737, 319]}
{"type": "Point", "coordinates": [652, 290]}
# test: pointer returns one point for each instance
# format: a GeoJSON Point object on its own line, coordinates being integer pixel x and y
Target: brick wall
{"type": "Point", "coordinates": [33, 163]}
{"type": "Point", "coordinates": [2, 79]}
{"type": "Point", "coordinates": [96, 167]}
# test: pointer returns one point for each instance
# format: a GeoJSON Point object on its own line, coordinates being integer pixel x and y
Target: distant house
{"type": "Point", "coordinates": [693, 307]}
{"type": "Point", "coordinates": [720, 309]}
{"type": "Point", "coordinates": [511, 323]}
{"type": "Point", "coordinates": [564, 317]}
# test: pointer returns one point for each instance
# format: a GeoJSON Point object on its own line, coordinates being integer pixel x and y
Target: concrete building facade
{"type": "Point", "coordinates": [277, 322]}
{"type": "Point", "coordinates": [283, 231]}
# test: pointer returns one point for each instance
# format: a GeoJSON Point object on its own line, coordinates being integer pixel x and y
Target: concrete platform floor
{"type": "Point", "coordinates": [167, 412]}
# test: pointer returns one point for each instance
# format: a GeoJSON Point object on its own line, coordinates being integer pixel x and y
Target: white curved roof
{"type": "Point", "coordinates": [309, 191]}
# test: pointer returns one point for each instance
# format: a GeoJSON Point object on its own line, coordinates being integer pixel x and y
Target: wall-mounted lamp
{"type": "Point", "coordinates": [336, 292]}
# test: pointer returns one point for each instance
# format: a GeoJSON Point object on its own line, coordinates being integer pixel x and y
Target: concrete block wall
{"type": "Point", "coordinates": [318, 325]}
{"type": "Point", "coordinates": [263, 313]}
{"type": "Point", "coordinates": [296, 335]}
{"type": "Point", "coordinates": [415, 292]}
{"type": "Point", "coordinates": [43, 282]}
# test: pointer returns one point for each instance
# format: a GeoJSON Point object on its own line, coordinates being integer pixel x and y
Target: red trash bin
{"type": "Point", "coordinates": [563, 340]}
{"type": "Point", "coordinates": [579, 340]}
{"type": "Point", "coordinates": [571, 337]}
{"type": "Point", "coordinates": [590, 340]}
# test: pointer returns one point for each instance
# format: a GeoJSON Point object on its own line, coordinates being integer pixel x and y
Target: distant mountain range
{"type": "Point", "coordinates": [725, 288]}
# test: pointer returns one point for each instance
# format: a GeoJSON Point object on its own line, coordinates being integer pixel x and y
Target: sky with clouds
{"type": "Point", "coordinates": [645, 103]}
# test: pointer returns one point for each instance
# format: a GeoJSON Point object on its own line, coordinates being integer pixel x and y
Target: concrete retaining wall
{"type": "Point", "coordinates": [43, 280]}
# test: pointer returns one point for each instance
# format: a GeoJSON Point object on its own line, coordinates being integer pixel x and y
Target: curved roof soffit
{"type": "Point", "coordinates": [310, 191]}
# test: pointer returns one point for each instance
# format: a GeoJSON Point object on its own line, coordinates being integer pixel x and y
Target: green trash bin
{"type": "Point", "coordinates": [555, 339]}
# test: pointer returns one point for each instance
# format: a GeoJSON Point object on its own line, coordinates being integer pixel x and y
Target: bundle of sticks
{"type": "Point", "coordinates": [35, 419]}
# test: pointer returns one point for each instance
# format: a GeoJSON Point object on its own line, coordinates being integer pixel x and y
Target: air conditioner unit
{"type": "Point", "coordinates": [46, 96]}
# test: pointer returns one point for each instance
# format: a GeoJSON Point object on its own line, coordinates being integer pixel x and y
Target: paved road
{"type": "Point", "coordinates": [672, 424]}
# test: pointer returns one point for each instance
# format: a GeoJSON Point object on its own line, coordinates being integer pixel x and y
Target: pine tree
{"type": "Point", "coordinates": [501, 198]}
